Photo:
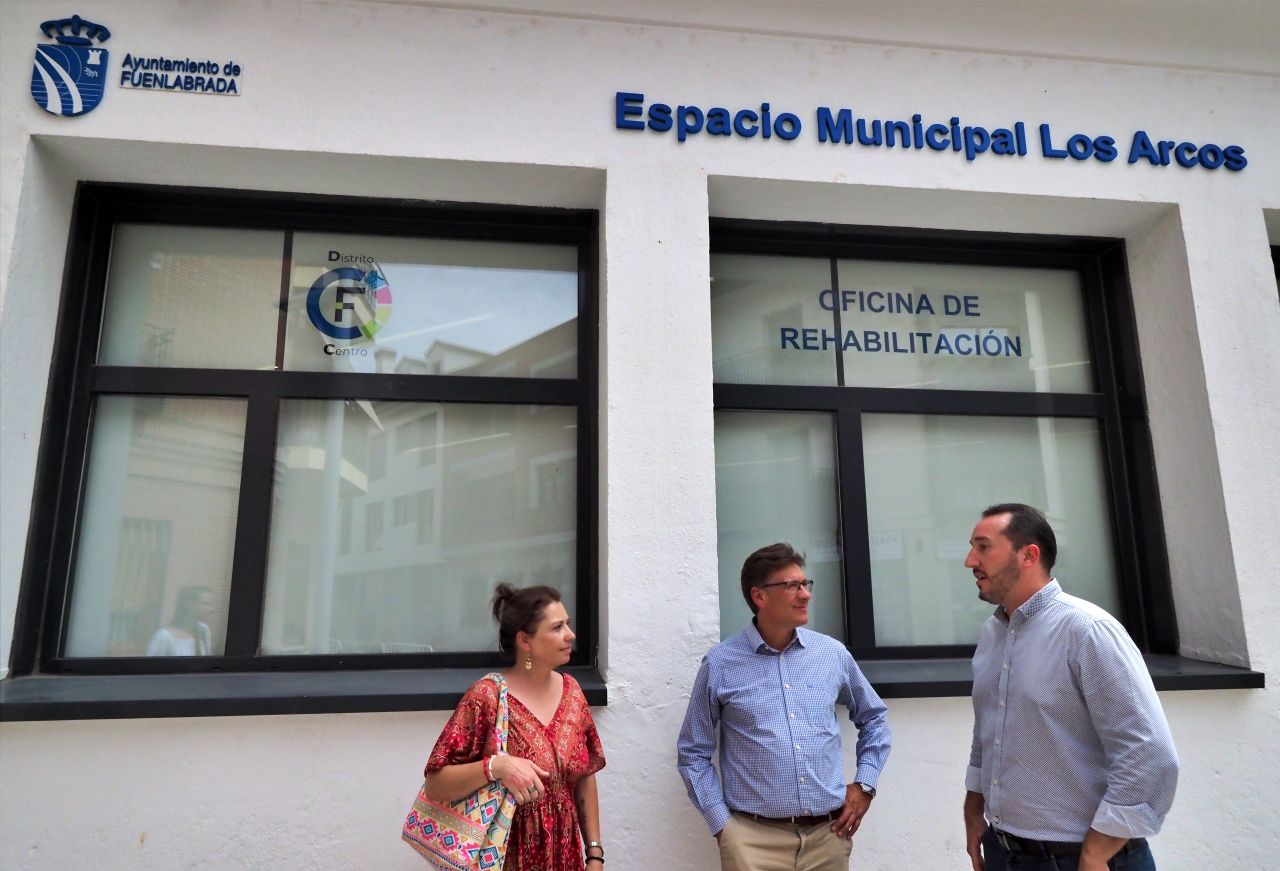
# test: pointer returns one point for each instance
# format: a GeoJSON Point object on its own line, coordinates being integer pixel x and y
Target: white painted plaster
{"type": "Point", "coordinates": [452, 102]}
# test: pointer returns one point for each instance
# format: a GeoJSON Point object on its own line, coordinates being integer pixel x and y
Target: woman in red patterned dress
{"type": "Point", "coordinates": [553, 751]}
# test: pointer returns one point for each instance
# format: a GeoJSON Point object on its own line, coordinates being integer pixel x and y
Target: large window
{"type": "Point", "coordinates": [307, 433]}
{"type": "Point", "coordinates": [875, 391]}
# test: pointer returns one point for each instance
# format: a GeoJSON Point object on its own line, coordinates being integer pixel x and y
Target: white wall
{"type": "Point", "coordinates": [509, 107]}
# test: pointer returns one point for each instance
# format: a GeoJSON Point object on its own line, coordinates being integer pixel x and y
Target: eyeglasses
{"type": "Point", "coordinates": [790, 586]}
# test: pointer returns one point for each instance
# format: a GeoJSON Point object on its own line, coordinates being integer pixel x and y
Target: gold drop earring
{"type": "Point", "coordinates": [528, 662]}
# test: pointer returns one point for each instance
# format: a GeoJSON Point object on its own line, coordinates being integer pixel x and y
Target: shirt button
{"type": "Point", "coordinates": [1002, 704]}
{"type": "Point", "coordinates": [1005, 666]}
{"type": "Point", "coordinates": [995, 781]}
{"type": "Point", "coordinates": [802, 780]}
{"type": "Point", "coordinates": [797, 746]}
{"type": "Point", "coordinates": [792, 716]}
{"type": "Point", "coordinates": [997, 740]}
{"type": "Point", "coordinates": [787, 685]}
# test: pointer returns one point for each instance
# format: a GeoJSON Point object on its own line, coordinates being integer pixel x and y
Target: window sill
{"type": "Point", "coordinates": [45, 697]}
{"type": "Point", "coordinates": [929, 678]}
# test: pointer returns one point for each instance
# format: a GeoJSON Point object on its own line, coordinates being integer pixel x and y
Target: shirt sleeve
{"type": "Point", "coordinates": [1142, 764]}
{"type": "Point", "coordinates": [973, 774]}
{"type": "Point", "coordinates": [593, 751]}
{"type": "Point", "coordinates": [694, 749]}
{"type": "Point", "coordinates": [869, 714]}
{"type": "Point", "coordinates": [161, 644]}
{"type": "Point", "coordinates": [469, 731]}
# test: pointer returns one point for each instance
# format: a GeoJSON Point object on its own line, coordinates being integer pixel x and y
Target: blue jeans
{"type": "Point", "coordinates": [996, 858]}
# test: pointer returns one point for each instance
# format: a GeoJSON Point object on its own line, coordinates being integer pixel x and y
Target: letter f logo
{"type": "Point", "coordinates": [341, 303]}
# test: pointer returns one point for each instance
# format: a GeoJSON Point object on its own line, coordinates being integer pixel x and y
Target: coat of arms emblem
{"type": "Point", "coordinates": [70, 74]}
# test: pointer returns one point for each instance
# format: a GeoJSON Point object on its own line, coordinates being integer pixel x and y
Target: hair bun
{"type": "Point", "coordinates": [502, 594]}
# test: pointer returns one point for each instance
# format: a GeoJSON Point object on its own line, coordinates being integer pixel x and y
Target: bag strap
{"type": "Point", "coordinates": [501, 723]}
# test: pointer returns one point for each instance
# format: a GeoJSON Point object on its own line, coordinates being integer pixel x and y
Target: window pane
{"type": "Point", "coordinates": [755, 303]}
{"type": "Point", "coordinates": [942, 326]}
{"type": "Point", "coordinates": [776, 481]}
{"type": "Point", "coordinates": [192, 297]}
{"type": "Point", "coordinates": [928, 480]}
{"type": "Point", "coordinates": [153, 559]}
{"type": "Point", "coordinates": [496, 502]}
{"type": "Point", "coordinates": [432, 307]}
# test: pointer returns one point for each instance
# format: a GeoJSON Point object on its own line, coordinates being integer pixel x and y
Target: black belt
{"type": "Point", "coordinates": [1031, 847]}
{"type": "Point", "coordinates": [828, 817]}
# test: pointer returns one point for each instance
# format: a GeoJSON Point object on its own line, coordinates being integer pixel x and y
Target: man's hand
{"type": "Point", "coordinates": [1098, 850]}
{"type": "Point", "coordinates": [975, 826]}
{"type": "Point", "coordinates": [856, 803]}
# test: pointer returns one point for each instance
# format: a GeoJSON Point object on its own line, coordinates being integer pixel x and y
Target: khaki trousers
{"type": "Point", "coordinates": [748, 845]}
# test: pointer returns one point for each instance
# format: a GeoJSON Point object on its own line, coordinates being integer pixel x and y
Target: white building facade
{"type": "Point", "coordinates": [403, 299]}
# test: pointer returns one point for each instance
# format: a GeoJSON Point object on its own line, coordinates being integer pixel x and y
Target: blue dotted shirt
{"type": "Point", "coordinates": [774, 713]}
{"type": "Point", "coordinates": [1068, 731]}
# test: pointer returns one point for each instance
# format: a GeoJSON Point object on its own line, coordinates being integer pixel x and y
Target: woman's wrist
{"type": "Point", "coordinates": [487, 767]}
{"type": "Point", "coordinates": [497, 768]}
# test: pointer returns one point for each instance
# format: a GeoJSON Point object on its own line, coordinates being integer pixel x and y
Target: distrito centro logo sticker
{"type": "Point", "coordinates": [70, 75]}
{"type": "Point", "coordinates": [361, 300]}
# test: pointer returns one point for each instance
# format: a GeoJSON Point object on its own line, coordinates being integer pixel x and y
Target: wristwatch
{"type": "Point", "coordinates": [869, 790]}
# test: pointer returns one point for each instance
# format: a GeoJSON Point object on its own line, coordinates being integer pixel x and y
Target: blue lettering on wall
{"type": "Point", "coordinates": [842, 126]}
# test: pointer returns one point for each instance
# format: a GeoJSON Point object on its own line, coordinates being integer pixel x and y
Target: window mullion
{"type": "Point", "coordinates": [860, 627]}
{"type": "Point", "coordinates": [836, 323]}
{"type": "Point", "coordinates": [253, 527]}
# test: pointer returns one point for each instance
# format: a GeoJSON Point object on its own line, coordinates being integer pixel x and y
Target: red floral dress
{"type": "Point", "coordinates": [544, 833]}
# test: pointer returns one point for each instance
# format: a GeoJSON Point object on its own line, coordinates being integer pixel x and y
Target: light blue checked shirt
{"type": "Point", "coordinates": [775, 713]}
{"type": "Point", "coordinates": [1068, 732]}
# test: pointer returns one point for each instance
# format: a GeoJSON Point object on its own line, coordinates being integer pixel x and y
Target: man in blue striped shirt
{"type": "Point", "coordinates": [769, 694]}
{"type": "Point", "coordinates": [1072, 763]}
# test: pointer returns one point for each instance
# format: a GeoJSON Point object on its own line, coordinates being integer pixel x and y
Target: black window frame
{"type": "Point", "coordinates": [1118, 406]}
{"type": "Point", "coordinates": [76, 379]}
{"type": "Point", "coordinates": [1275, 265]}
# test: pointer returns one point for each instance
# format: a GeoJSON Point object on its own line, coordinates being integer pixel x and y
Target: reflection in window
{"type": "Point", "coordinates": [450, 531]}
{"type": "Point", "coordinates": [183, 296]}
{"type": "Point", "coordinates": [426, 516]}
{"type": "Point", "coordinates": [344, 527]}
{"type": "Point", "coordinates": [928, 479]}
{"type": "Point", "coordinates": [373, 526]}
{"type": "Point", "coordinates": [154, 551]}
{"type": "Point", "coordinates": [416, 306]}
{"type": "Point", "coordinates": [776, 481]}
{"type": "Point", "coordinates": [777, 320]}
{"type": "Point", "coordinates": [417, 436]}
{"type": "Point", "coordinates": [554, 480]}
{"type": "Point", "coordinates": [752, 299]}
{"type": "Point", "coordinates": [377, 455]}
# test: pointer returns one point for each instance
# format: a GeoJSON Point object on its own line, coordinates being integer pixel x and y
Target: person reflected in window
{"type": "Point", "coordinates": [187, 634]}
{"type": "Point", "coordinates": [768, 697]}
{"type": "Point", "coordinates": [1072, 765]}
{"type": "Point", "coordinates": [553, 750]}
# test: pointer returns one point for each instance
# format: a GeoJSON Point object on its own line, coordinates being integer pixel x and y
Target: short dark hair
{"type": "Point", "coordinates": [763, 563]}
{"type": "Point", "coordinates": [1028, 525]}
{"type": "Point", "coordinates": [519, 610]}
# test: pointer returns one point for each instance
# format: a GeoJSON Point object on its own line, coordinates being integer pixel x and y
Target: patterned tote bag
{"type": "Point", "coordinates": [469, 834]}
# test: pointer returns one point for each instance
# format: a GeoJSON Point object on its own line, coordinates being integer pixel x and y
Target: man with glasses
{"type": "Point", "coordinates": [1072, 764]}
{"type": "Point", "coordinates": [769, 694]}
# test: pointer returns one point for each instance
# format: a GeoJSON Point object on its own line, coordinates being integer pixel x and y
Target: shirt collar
{"type": "Point", "coordinates": [1043, 598]}
{"type": "Point", "coordinates": [757, 643]}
